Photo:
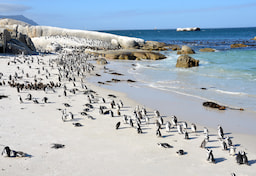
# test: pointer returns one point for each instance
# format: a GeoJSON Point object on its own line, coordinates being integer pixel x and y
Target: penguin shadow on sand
{"type": "Point", "coordinates": [211, 147]}
{"type": "Point", "coordinates": [167, 135]}
{"type": "Point", "coordinates": [219, 160]}
{"type": "Point", "coordinates": [251, 162]}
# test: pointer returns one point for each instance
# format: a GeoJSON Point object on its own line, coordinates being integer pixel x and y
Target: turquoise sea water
{"type": "Point", "coordinates": [229, 75]}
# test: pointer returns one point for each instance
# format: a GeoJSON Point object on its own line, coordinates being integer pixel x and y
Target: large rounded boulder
{"type": "Point", "coordinates": [186, 50]}
{"type": "Point", "coordinates": [186, 61]}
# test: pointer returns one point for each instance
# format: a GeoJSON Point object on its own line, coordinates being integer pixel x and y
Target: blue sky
{"type": "Point", "coordinates": [134, 14]}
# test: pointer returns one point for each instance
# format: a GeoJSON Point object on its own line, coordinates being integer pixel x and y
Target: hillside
{"type": "Point", "coordinates": [20, 18]}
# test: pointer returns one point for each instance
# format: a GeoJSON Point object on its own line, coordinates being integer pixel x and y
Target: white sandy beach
{"type": "Point", "coordinates": [97, 148]}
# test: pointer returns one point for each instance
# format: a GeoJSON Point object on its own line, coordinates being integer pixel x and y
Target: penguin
{"type": "Point", "coordinates": [67, 105]}
{"type": "Point", "coordinates": [71, 115]}
{"type": "Point", "coordinates": [157, 113]}
{"type": "Point", "coordinates": [139, 130]}
{"type": "Point", "coordinates": [131, 123]}
{"type": "Point", "coordinates": [118, 125]}
{"type": "Point", "coordinates": [193, 127]}
{"type": "Point", "coordinates": [160, 120]}
{"type": "Point", "coordinates": [21, 101]}
{"type": "Point", "coordinates": [125, 119]}
{"type": "Point", "coordinates": [111, 113]}
{"type": "Point", "coordinates": [168, 126]}
{"type": "Point", "coordinates": [158, 133]}
{"type": "Point", "coordinates": [229, 141]}
{"type": "Point", "coordinates": [6, 151]}
{"type": "Point", "coordinates": [203, 144]}
{"type": "Point", "coordinates": [103, 100]}
{"type": "Point", "coordinates": [179, 128]}
{"type": "Point", "coordinates": [186, 135]}
{"type": "Point", "coordinates": [118, 112]}
{"type": "Point", "coordinates": [239, 158]}
{"type": "Point", "coordinates": [245, 159]}
{"type": "Point", "coordinates": [206, 131]}
{"type": "Point", "coordinates": [174, 120]}
{"type": "Point", "coordinates": [164, 145]}
{"type": "Point", "coordinates": [220, 132]}
{"type": "Point", "coordinates": [232, 151]}
{"type": "Point", "coordinates": [45, 99]}
{"type": "Point", "coordinates": [206, 137]}
{"type": "Point", "coordinates": [146, 119]}
{"type": "Point", "coordinates": [210, 157]}
{"type": "Point", "coordinates": [65, 93]}
{"type": "Point", "coordinates": [185, 125]}
{"type": "Point", "coordinates": [77, 124]}
{"type": "Point", "coordinates": [180, 152]}
{"type": "Point", "coordinates": [35, 101]}
{"type": "Point", "coordinates": [144, 111]}
{"type": "Point", "coordinates": [224, 145]}
{"type": "Point", "coordinates": [158, 125]}
{"type": "Point", "coordinates": [121, 103]}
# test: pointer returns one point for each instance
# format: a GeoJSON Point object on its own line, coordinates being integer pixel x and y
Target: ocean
{"type": "Point", "coordinates": [227, 76]}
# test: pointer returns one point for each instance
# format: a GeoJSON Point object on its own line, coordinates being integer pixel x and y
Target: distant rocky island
{"type": "Point", "coordinates": [188, 29]}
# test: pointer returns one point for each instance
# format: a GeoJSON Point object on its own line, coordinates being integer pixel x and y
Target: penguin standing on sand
{"type": "Point", "coordinates": [179, 128]}
{"type": "Point", "coordinates": [185, 125]}
{"type": "Point", "coordinates": [206, 131]}
{"type": "Point", "coordinates": [186, 135]}
{"type": "Point", "coordinates": [118, 125]}
{"type": "Point", "coordinates": [245, 159]}
{"type": "Point", "coordinates": [220, 132]}
{"type": "Point", "coordinates": [158, 125]}
{"type": "Point", "coordinates": [210, 157]}
{"type": "Point", "coordinates": [160, 120]}
{"type": "Point", "coordinates": [203, 144]}
{"type": "Point", "coordinates": [232, 151]}
{"type": "Point", "coordinates": [239, 158]}
{"type": "Point", "coordinates": [229, 141]}
{"type": "Point", "coordinates": [157, 113]}
{"type": "Point", "coordinates": [193, 127]}
{"type": "Point", "coordinates": [168, 126]}
{"type": "Point", "coordinates": [174, 120]}
{"type": "Point", "coordinates": [158, 133]}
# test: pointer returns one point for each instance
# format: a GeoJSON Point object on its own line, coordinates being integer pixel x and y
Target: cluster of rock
{"type": "Point", "coordinates": [15, 42]}
{"type": "Point", "coordinates": [19, 37]}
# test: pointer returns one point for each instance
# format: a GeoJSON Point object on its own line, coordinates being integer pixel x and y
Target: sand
{"type": "Point", "coordinates": [97, 148]}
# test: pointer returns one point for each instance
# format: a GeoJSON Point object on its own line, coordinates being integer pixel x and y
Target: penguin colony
{"type": "Point", "coordinates": [72, 71]}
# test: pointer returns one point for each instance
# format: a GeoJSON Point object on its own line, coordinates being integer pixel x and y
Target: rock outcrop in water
{"type": "Point", "coordinates": [213, 105]}
{"type": "Point", "coordinates": [186, 50]}
{"type": "Point", "coordinates": [238, 45]}
{"type": "Point", "coordinates": [186, 61]}
{"type": "Point", "coordinates": [129, 55]}
{"type": "Point", "coordinates": [207, 50]}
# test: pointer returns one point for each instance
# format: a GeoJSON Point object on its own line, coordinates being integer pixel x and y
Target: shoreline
{"type": "Point", "coordinates": [33, 128]}
{"type": "Point", "coordinates": [234, 120]}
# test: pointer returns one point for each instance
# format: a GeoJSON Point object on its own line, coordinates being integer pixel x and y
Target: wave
{"type": "Point", "coordinates": [231, 93]}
